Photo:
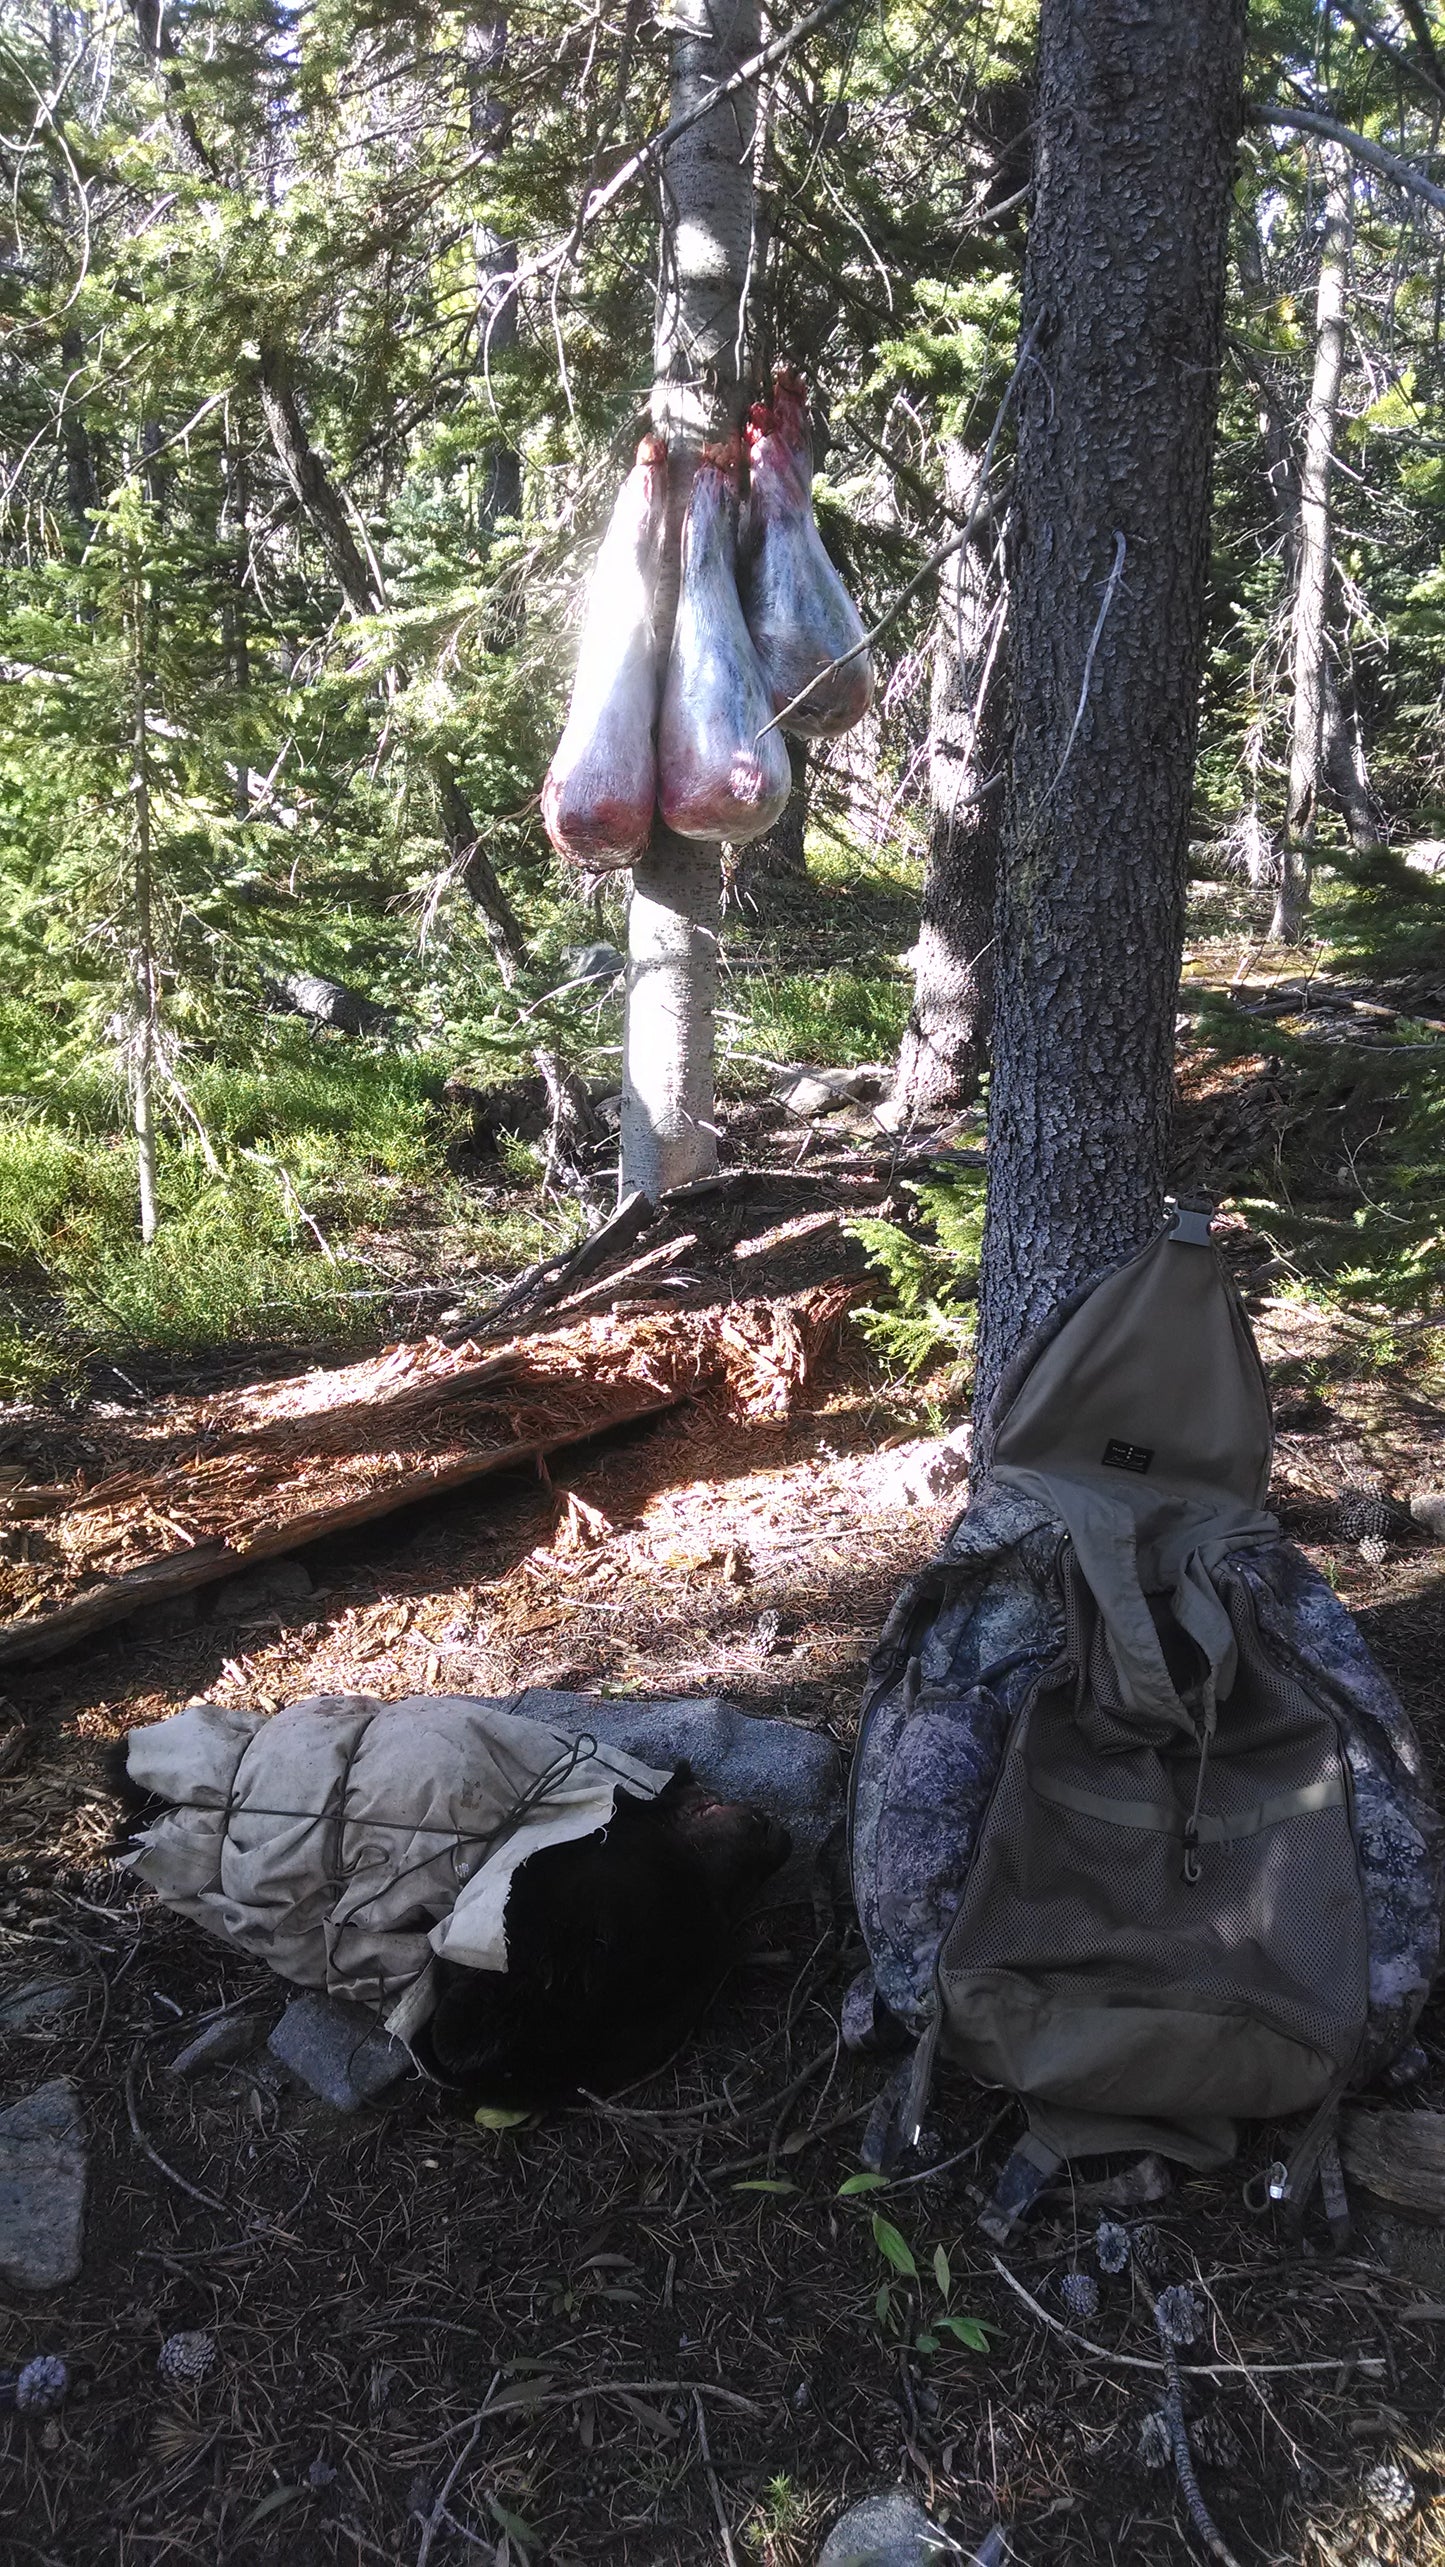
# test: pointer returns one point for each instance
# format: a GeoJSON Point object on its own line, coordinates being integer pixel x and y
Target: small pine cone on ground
{"type": "Point", "coordinates": [187, 2357]}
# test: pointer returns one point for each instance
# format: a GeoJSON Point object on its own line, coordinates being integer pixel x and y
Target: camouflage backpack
{"type": "Point", "coordinates": [1138, 1830]}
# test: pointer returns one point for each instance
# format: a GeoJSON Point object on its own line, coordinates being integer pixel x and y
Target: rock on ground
{"type": "Point", "coordinates": [38, 2003]}
{"type": "Point", "coordinates": [42, 2188]}
{"type": "Point", "coordinates": [891, 2530]}
{"type": "Point", "coordinates": [797, 1776]}
{"type": "Point", "coordinates": [337, 2049]}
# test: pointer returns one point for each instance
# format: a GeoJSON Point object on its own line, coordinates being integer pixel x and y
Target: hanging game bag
{"type": "Point", "coordinates": [1138, 1830]}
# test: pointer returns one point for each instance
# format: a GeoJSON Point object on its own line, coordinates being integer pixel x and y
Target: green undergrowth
{"type": "Point", "coordinates": [309, 1183]}
{"type": "Point", "coordinates": [1345, 1179]}
{"type": "Point", "coordinates": [816, 974]}
{"type": "Point", "coordinates": [831, 1019]}
{"type": "Point", "coordinates": [312, 1149]}
{"type": "Point", "coordinates": [930, 1269]}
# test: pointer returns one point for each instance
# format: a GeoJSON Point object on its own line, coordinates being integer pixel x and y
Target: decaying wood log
{"type": "Point", "coordinates": [26, 1642]}
{"type": "Point", "coordinates": [1398, 2155]}
{"type": "Point", "coordinates": [244, 1476]}
{"type": "Point", "coordinates": [546, 1283]}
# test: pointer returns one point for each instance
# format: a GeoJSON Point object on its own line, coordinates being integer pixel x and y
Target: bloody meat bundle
{"type": "Point", "coordinates": [761, 618]}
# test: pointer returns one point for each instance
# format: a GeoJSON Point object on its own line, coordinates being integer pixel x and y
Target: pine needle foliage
{"type": "Point", "coordinates": [930, 1266]}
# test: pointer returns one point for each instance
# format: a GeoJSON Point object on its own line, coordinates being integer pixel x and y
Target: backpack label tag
{"type": "Point", "coordinates": [1119, 1456]}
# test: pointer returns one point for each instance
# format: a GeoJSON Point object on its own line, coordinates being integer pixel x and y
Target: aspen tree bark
{"type": "Point", "coordinates": [668, 1129]}
{"type": "Point", "coordinates": [1309, 630]}
{"type": "Point", "coordinates": [945, 1045]}
{"type": "Point", "coordinates": [1139, 109]}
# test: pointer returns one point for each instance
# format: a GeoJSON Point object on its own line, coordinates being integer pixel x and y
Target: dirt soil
{"type": "Point", "coordinates": [653, 2331]}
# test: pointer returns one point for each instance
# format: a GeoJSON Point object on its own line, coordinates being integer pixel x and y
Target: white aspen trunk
{"type": "Point", "coordinates": [1315, 556]}
{"type": "Point", "coordinates": [669, 1132]}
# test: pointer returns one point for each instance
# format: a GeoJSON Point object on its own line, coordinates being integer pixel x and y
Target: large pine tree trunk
{"type": "Point", "coordinates": [668, 1125]}
{"type": "Point", "coordinates": [945, 1046]}
{"type": "Point", "coordinates": [1309, 637]}
{"type": "Point", "coordinates": [1138, 113]}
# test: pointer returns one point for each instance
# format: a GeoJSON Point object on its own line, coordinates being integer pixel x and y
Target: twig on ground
{"type": "Point", "coordinates": [714, 2490]}
{"type": "Point", "coordinates": [435, 2518]}
{"type": "Point", "coordinates": [183, 2184]}
{"type": "Point", "coordinates": [1199, 2513]}
{"type": "Point", "coordinates": [500, 2404]}
{"type": "Point", "coordinates": [1191, 2370]}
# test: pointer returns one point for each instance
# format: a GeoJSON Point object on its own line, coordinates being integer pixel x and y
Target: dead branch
{"type": "Point", "coordinates": [1402, 173]}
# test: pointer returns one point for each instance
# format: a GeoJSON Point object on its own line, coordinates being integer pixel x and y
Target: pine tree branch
{"type": "Point", "coordinates": [1420, 29]}
{"type": "Point", "coordinates": [1402, 173]}
{"type": "Point", "coordinates": [1378, 42]}
{"type": "Point", "coordinates": [659, 144]}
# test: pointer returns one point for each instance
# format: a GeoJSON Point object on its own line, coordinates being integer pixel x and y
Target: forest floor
{"type": "Point", "coordinates": [656, 2330]}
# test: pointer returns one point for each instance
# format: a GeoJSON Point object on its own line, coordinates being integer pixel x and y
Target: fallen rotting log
{"type": "Point", "coordinates": [35, 1637]}
{"type": "Point", "coordinates": [251, 1474]}
{"type": "Point", "coordinates": [1399, 2156]}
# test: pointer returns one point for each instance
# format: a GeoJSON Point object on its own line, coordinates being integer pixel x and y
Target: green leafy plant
{"type": "Point", "coordinates": [903, 2301]}
{"type": "Point", "coordinates": [931, 1271]}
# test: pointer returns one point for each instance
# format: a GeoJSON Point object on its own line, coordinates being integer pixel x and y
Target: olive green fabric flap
{"type": "Point", "coordinates": [1158, 1360]}
{"type": "Point", "coordinates": [1190, 2063]}
{"type": "Point", "coordinates": [1144, 1425]}
{"type": "Point", "coordinates": [1205, 2145]}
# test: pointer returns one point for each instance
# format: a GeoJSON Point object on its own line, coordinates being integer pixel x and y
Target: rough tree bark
{"type": "Point", "coordinates": [1309, 633]}
{"type": "Point", "coordinates": [945, 1044]}
{"type": "Point", "coordinates": [1139, 109]}
{"type": "Point", "coordinates": [668, 1130]}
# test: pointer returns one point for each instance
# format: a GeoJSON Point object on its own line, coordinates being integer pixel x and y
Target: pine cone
{"type": "Point", "coordinates": [1177, 2314]}
{"type": "Point", "coordinates": [187, 2357]}
{"type": "Point", "coordinates": [1215, 2441]}
{"type": "Point", "coordinates": [43, 2385]}
{"type": "Point", "coordinates": [1079, 2293]}
{"type": "Point", "coordinates": [1388, 2492]}
{"type": "Point", "coordinates": [1111, 2246]}
{"type": "Point", "coordinates": [1368, 1517]}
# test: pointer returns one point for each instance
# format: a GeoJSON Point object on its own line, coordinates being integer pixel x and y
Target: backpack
{"type": "Point", "coordinates": [1138, 1831]}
